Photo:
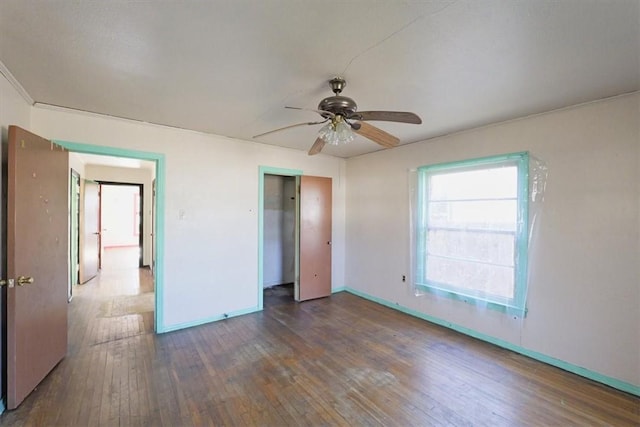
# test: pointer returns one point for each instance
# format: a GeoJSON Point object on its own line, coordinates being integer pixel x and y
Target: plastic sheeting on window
{"type": "Point", "coordinates": [536, 185]}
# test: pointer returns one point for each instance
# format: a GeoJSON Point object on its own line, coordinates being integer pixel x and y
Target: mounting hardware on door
{"type": "Point", "coordinates": [20, 281]}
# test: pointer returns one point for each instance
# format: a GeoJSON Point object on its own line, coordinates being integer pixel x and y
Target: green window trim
{"type": "Point", "coordinates": [513, 306]}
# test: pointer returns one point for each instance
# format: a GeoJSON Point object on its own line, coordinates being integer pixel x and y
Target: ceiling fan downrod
{"type": "Point", "coordinates": [337, 84]}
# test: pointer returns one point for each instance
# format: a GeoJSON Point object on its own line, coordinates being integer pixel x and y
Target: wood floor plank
{"type": "Point", "coordinates": [338, 361]}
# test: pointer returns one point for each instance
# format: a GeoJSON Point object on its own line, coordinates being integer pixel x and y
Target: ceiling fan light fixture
{"type": "Point", "coordinates": [336, 132]}
{"type": "Point", "coordinates": [344, 132]}
{"type": "Point", "coordinates": [342, 121]}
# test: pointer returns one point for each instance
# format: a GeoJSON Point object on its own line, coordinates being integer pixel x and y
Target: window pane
{"type": "Point", "coordinates": [493, 248]}
{"type": "Point", "coordinates": [494, 183]}
{"type": "Point", "coordinates": [471, 276]}
{"type": "Point", "coordinates": [469, 240]}
{"type": "Point", "coordinates": [493, 215]}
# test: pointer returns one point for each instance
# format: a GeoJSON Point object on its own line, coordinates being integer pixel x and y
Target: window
{"type": "Point", "coordinates": [471, 230]}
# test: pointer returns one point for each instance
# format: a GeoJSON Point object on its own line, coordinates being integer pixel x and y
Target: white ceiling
{"type": "Point", "coordinates": [229, 67]}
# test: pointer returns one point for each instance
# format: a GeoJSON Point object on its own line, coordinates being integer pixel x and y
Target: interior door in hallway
{"type": "Point", "coordinates": [315, 238]}
{"type": "Point", "coordinates": [37, 260]}
{"type": "Point", "coordinates": [90, 225]}
{"type": "Point", "coordinates": [74, 231]}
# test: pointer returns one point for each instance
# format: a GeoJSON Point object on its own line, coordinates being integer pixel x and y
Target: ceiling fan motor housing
{"type": "Point", "coordinates": [341, 105]}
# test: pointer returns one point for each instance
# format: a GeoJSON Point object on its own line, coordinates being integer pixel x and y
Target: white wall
{"type": "Point", "coordinates": [14, 110]}
{"type": "Point", "coordinates": [211, 254]}
{"type": "Point", "coordinates": [133, 176]}
{"type": "Point", "coordinates": [584, 294]}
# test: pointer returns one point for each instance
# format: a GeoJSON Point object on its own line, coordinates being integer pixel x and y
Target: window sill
{"type": "Point", "coordinates": [506, 308]}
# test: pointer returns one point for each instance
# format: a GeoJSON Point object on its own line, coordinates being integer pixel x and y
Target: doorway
{"type": "Point", "coordinates": [158, 213]}
{"type": "Point", "coordinates": [279, 237]}
{"type": "Point", "coordinates": [124, 287]}
{"type": "Point", "coordinates": [118, 232]}
{"type": "Point", "coordinates": [312, 232]}
{"type": "Point", "coordinates": [271, 266]}
{"type": "Point", "coordinates": [89, 230]}
{"type": "Point", "coordinates": [121, 222]}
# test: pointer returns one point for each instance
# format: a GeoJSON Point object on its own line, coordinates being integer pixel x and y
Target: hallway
{"type": "Point", "coordinates": [117, 304]}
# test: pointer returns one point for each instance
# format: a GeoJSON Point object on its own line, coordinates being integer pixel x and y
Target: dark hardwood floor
{"type": "Point", "coordinates": [335, 361]}
{"type": "Point", "coordinates": [279, 294]}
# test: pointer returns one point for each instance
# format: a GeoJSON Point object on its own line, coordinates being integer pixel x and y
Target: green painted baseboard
{"type": "Point", "coordinates": [199, 322]}
{"type": "Point", "coordinates": [595, 376]}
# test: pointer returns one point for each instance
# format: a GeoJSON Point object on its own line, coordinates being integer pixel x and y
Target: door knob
{"type": "Point", "coordinates": [22, 280]}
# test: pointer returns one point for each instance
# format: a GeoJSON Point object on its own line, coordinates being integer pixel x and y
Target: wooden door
{"type": "Point", "coordinates": [74, 231]}
{"type": "Point", "coordinates": [315, 238]}
{"type": "Point", "coordinates": [90, 220]}
{"type": "Point", "coordinates": [37, 247]}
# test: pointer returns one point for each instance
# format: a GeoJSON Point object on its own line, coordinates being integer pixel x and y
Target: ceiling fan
{"type": "Point", "coordinates": [341, 117]}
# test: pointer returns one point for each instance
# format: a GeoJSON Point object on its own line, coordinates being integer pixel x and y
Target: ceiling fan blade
{"type": "Point", "coordinates": [377, 135]}
{"type": "Point", "coordinates": [323, 113]}
{"type": "Point", "coordinates": [388, 116]}
{"type": "Point", "coordinates": [289, 127]}
{"type": "Point", "coordinates": [317, 146]}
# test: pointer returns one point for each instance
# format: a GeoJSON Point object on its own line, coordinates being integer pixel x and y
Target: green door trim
{"type": "Point", "coordinates": [158, 232]}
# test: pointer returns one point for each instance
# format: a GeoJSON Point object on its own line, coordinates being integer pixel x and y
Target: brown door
{"type": "Point", "coordinates": [90, 243]}
{"type": "Point", "coordinates": [315, 237]}
{"type": "Point", "coordinates": [37, 247]}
